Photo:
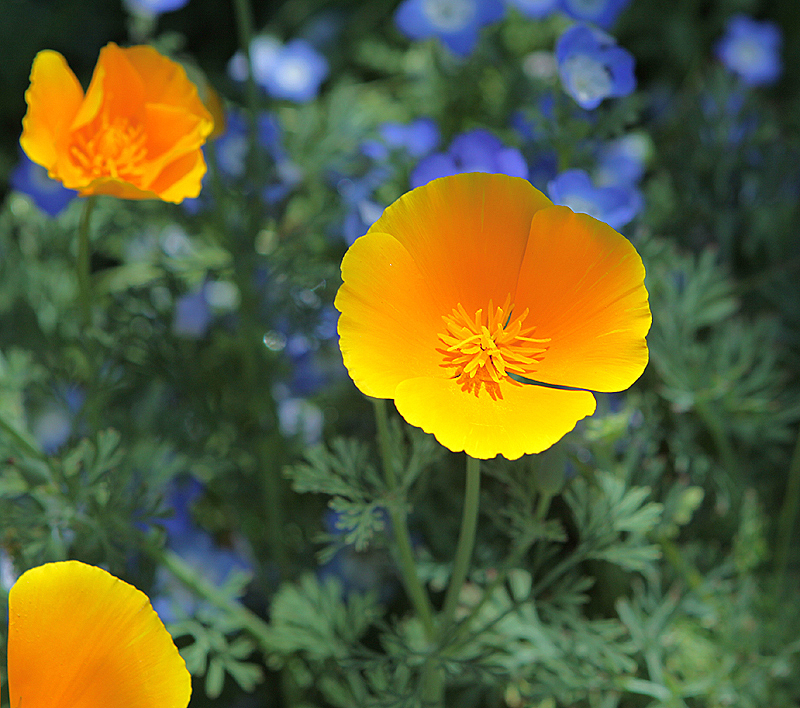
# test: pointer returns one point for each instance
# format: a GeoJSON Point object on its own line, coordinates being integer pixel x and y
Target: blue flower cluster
{"type": "Point", "coordinates": [457, 23]}
{"type": "Point", "coordinates": [293, 71]}
{"type": "Point", "coordinates": [48, 194]}
{"type": "Point", "coordinates": [476, 150]}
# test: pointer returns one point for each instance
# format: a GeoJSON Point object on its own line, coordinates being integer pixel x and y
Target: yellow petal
{"type": "Point", "coordinates": [584, 285]}
{"type": "Point", "coordinates": [466, 234]}
{"type": "Point", "coordinates": [81, 638]}
{"type": "Point", "coordinates": [524, 419]}
{"type": "Point", "coordinates": [390, 323]}
{"type": "Point", "coordinates": [54, 97]}
{"type": "Point", "coordinates": [181, 179]}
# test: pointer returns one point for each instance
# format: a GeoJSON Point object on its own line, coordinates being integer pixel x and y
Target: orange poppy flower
{"type": "Point", "coordinates": [80, 638]}
{"type": "Point", "coordinates": [135, 134]}
{"type": "Point", "coordinates": [471, 287]}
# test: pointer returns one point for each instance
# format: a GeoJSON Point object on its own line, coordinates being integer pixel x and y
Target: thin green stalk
{"type": "Point", "coordinates": [84, 280]}
{"type": "Point", "coordinates": [408, 568]}
{"type": "Point", "coordinates": [787, 519]}
{"type": "Point", "coordinates": [249, 621]}
{"type": "Point", "coordinates": [245, 32]}
{"type": "Point", "coordinates": [466, 542]}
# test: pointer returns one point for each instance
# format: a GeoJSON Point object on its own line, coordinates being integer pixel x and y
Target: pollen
{"type": "Point", "coordinates": [485, 350]}
{"type": "Point", "coordinates": [111, 147]}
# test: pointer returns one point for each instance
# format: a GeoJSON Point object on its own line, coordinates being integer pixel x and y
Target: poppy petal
{"type": "Point", "coordinates": [390, 324]}
{"type": "Point", "coordinates": [466, 234]}
{"type": "Point", "coordinates": [54, 97]}
{"type": "Point", "coordinates": [584, 285]}
{"type": "Point", "coordinates": [81, 638]}
{"type": "Point", "coordinates": [523, 419]}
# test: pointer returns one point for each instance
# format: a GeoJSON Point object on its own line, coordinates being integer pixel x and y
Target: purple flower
{"type": "Point", "coordinates": [457, 23]}
{"type": "Point", "coordinates": [616, 206]}
{"type": "Point", "coordinates": [48, 194]}
{"type": "Point", "coordinates": [599, 12]}
{"type": "Point", "coordinates": [751, 50]}
{"type": "Point", "coordinates": [592, 67]}
{"type": "Point", "coordinates": [535, 8]}
{"type": "Point", "coordinates": [474, 151]}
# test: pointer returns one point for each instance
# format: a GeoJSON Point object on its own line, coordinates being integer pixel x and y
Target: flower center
{"type": "Point", "coordinates": [484, 350]}
{"type": "Point", "coordinates": [110, 147]}
{"type": "Point", "coordinates": [589, 79]}
{"type": "Point", "coordinates": [449, 15]}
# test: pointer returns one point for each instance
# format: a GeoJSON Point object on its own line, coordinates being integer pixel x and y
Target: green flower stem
{"type": "Point", "coordinates": [466, 542]}
{"type": "Point", "coordinates": [84, 280]}
{"type": "Point", "coordinates": [416, 592]}
{"type": "Point", "coordinates": [245, 32]}
{"type": "Point", "coordinates": [787, 519]}
{"type": "Point", "coordinates": [257, 628]}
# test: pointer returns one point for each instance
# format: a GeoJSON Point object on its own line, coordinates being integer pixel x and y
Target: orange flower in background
{"type": "Point", "coordinates": [80, 638]}
{"type": "Point", "coordinates": [135, 134]}
{"type": "Point", "coordinates": [472, 285]}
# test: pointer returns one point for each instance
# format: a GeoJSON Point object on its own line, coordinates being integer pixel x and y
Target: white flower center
{"type": "Point", "coordinates": [293, 74]}
{"type": "Point", "coordinates": [449, 15]}
{"type": "Point", "coordinates": [588, 78]}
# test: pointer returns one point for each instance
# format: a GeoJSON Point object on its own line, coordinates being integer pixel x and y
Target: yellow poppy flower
{"type": "Point", "coordinates": [80, 638]}
{"type": "Point", "coordinates": [474, 283]}
{"type": "Point", "coordinates": [135, 134]}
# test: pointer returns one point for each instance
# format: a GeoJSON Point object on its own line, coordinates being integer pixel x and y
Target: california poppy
{"type": "Point", "coordinates": [137, 133]}
{"type": "Point", "coordinates": [80, 638]}
{"type": "Point", "coordinates": [489, 315]}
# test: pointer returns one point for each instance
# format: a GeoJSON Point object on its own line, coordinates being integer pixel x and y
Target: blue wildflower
{"type": "Point", "coordinates": [32, 179]}
{"type": "Point", "coordinates": [751, 50]}
{"type": "Point", "coordinates": [155, 7]}
{"type": "Point", "coordinates": [293, 71]}
{"type": "Point", "coordinates": [615, 206]}
{"type": "Point", "coordinates": [535, 8]}
{"type": "Point", "coordinates": [192, 315]}
{"type": "Point", "coordinates": [456, 23]}
{"type": "Point", "coordinates": [622, 161]}
{"type": "Point", "coordinates": [476, 150]}
{"type": "Point", "coordinates": [602, 13]}
{"type": "Point", "coordinates": [592, 67]}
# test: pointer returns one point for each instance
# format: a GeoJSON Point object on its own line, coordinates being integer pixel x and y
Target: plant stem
{"type": "Point", "coordinates": [84, 280]}
{"type": "Point", "coordinates": [466, 542]}
{"type": "Point", "coordinates": [408, 569]}
{"type": "Point", "coordinates": [249, 621]}
{"type": "Point", "coordinates": [787, 518]}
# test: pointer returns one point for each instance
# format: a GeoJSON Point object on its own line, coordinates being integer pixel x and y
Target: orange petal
{"type": "Point", "coordinates": [181, 179]}
{"type": "Point", "coordinates": [525, 419]}
{"type": "Point", "coordinates": [584, 285]}
{"type": "Point", "coordinates": [166, 83]}
{"type": "Point", "coordinates": [390, 324]}
{"type": "Point", "coordinates": [54, 98]}
{"type": "Point", "coordinates": [115, 188]}
{"type": "Point", "coordinates": [466, 234]}
{"type": "Point", "coordinates": [81, 638]}
{"type": "Point", "coordinates": [116, 88]}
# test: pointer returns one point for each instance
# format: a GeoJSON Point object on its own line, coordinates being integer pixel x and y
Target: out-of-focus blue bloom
{"type": "Point", "coordinates": [192, 315]}
{"type": "Point", "coordinates": [198, 550]}
{"type": "Point", "coordinates": [622, 161]}
{"type": "Point", "coordinates": [474, 151]}
{"type": "Point", "coordinates": [592, 67]}
{"type": "Point", "coordinates": [361, 209]}
{"type": "Point", "coordinates": [32, 179]}
{"type": "Point", "coordinates": [615, 206]}
{"type": "Point", "coordinates": [297, 73]}
{"type": "Point", "coordinates": [418, 138]}
{"type": "Point", "coordinates": [155, 7]}
{"type": "Point", "coordinates": [293, 71]}
{"type": "Point", "coordinates": [535, 8]}
{"type": "Point", "coordinates": [599, 12]}
{"type": "Point", "coordinates": [751, 50]}
{"type": "Point", "coordinates": [53, 424]}
{"type": "Point", "coordinates": [456, 23]}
